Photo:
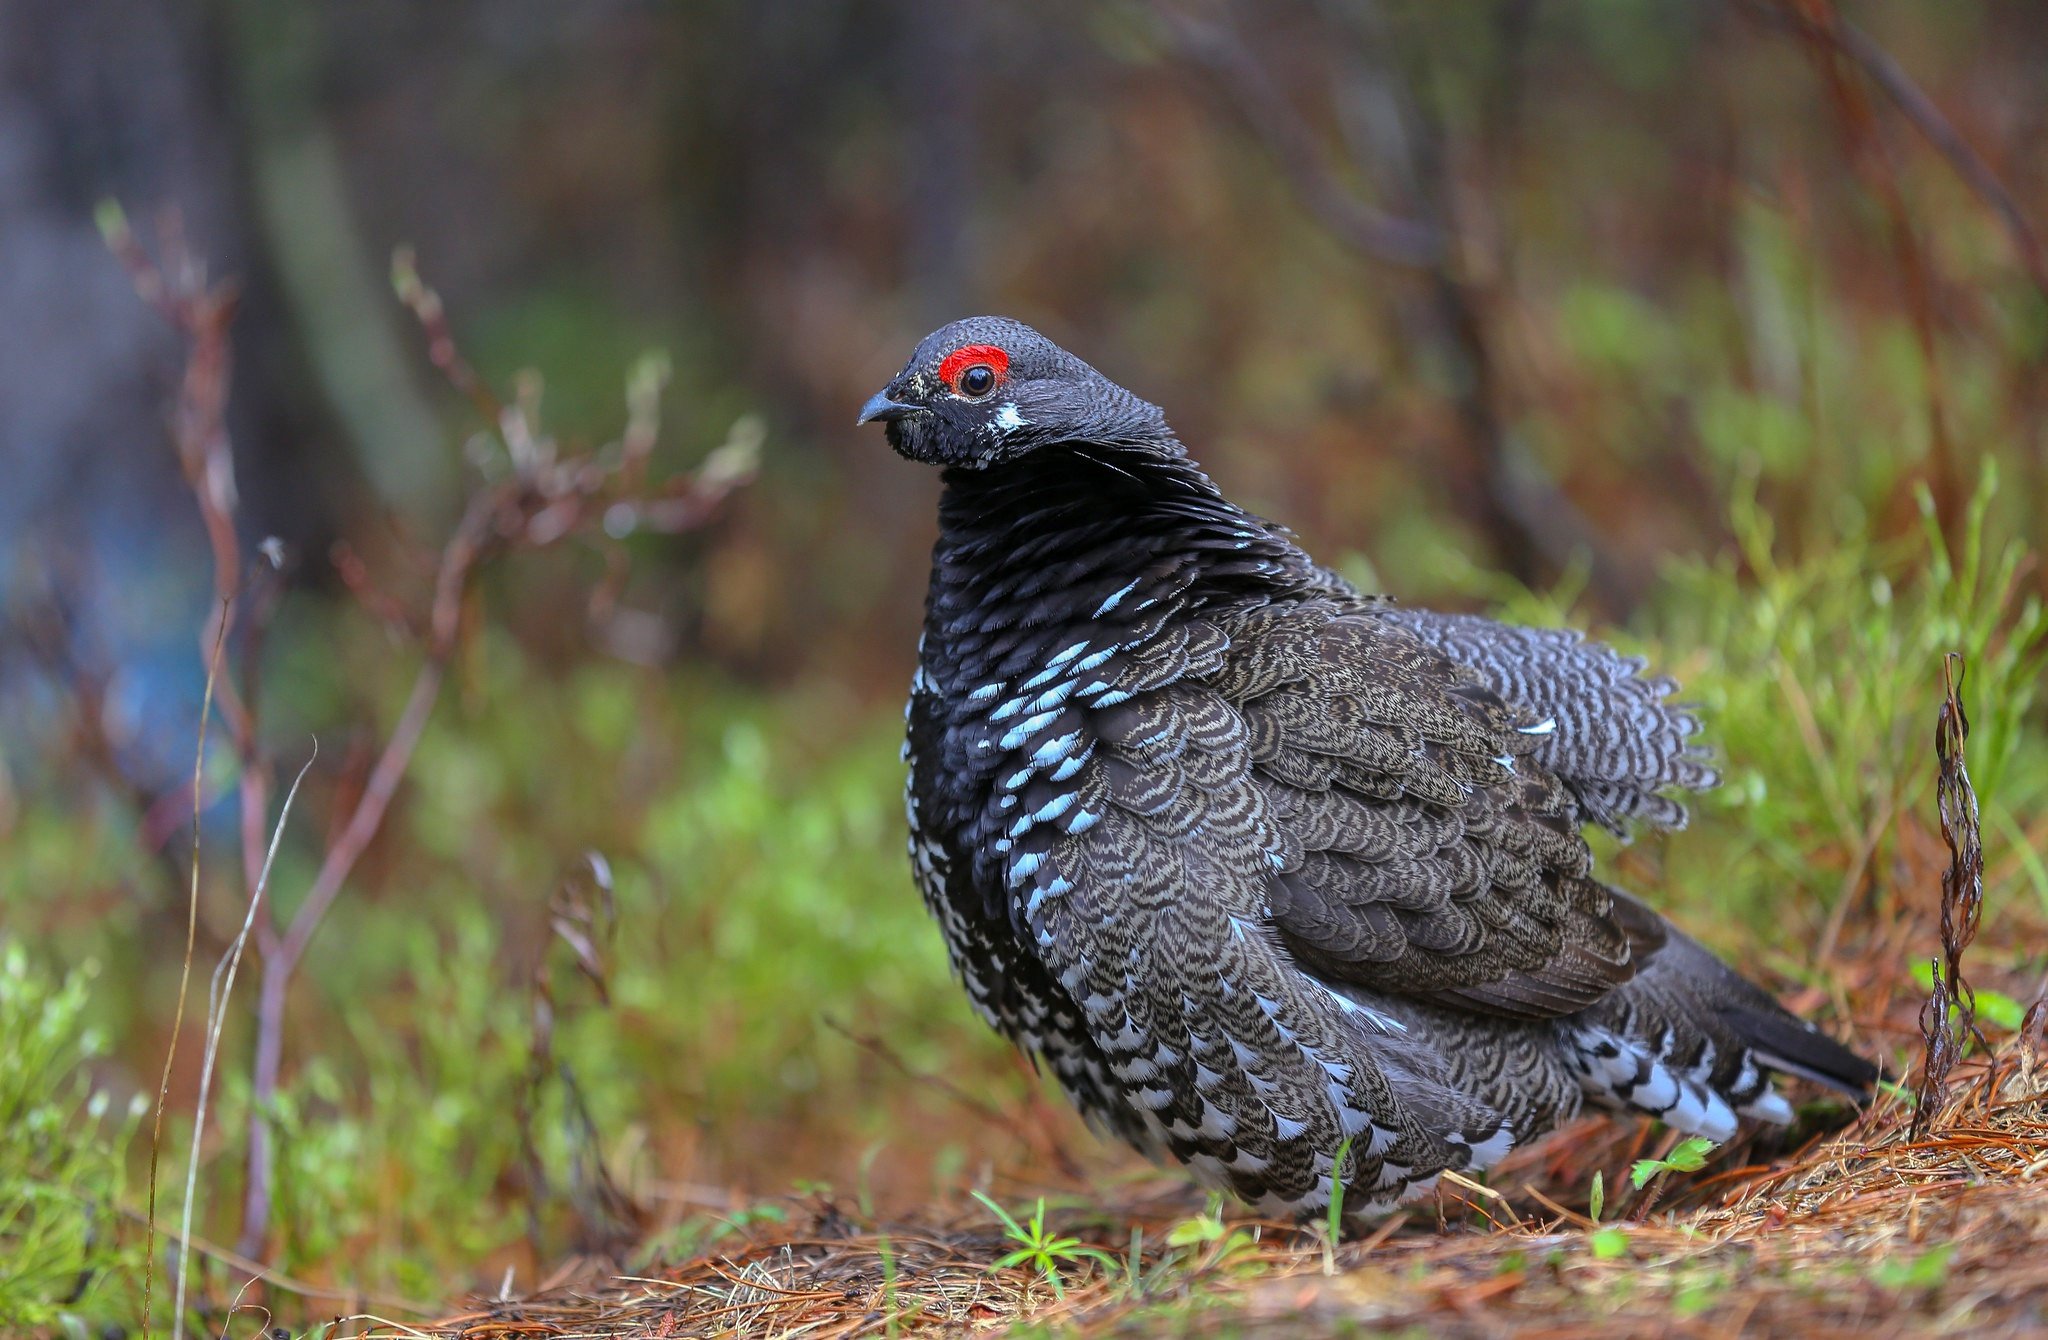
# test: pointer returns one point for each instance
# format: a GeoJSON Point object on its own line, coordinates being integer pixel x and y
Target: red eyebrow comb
{"type": "Point", "coordinates": [967, 355]}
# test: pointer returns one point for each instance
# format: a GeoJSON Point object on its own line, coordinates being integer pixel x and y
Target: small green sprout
{"type": "Point", "coordinates": [1597, 1201]}
{"type": "Point", "coordinates": [1928, 1270]}
{"type": "Point", "coordinates": [1689, 1156]}
{"type": "Point", "coordinates": [1042, 1250]}
{"type": "Point", "coordinates": [1208, 1232]}
{"type": "Point", "coordinates": [1333, 1226]}
{"type": "Point", "coordinates": [894, 1322]}
{"type": "Point", "coordinates": [1202, 1229]}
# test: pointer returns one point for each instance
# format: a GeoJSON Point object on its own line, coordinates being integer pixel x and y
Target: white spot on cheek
{"type": "Point", "coordinates": [1008, 419]}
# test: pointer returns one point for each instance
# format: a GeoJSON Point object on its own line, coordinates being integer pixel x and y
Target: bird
{"type": "Point", "coordinates": [1281, 880]}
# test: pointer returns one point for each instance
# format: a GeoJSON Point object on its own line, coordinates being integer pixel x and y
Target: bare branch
{"type": "Point", "coordinates": [1508, 496]}
{"type": "Point", "coordinates": [176, 287]}
{"type": "Point", "coordinates": [1398, 241]}
{"type": "Point", "coordinates": [1818, 27]}
{"type": "Point", "coordinates": [1884, 70]}
{"type": "Point", "coordinates": [548, 497]}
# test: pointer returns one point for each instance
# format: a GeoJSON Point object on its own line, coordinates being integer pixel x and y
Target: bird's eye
{"type": "Point", "coordinates": [978, 380]}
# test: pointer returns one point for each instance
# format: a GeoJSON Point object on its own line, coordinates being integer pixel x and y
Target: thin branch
{"type": "Point", "coordinates": [280, 965]}
{"type": "Point", "coordinates": [1818, 26]}
{"type": "Point", "coordinates": [218, 994]}
{"type": "Point", "coordinates": [426, 307]}
{"type": "Point", "coordinates": [1395, 240]}
{"type": "Point", "coordinates": [459, 560]}
{"type": "Point", "coordinates": [546, 500]}
{"type": "Point", "coordinates": [46, 629]}
{"type": "Point", "coordinates": [1918, 108]}
{"type": "Point", "coordinates": [163, 1088]}
{"type": "Point", "coordinates": [1913, 103]}
{"type": "Point", "coordinates": [176, 287]}
{"type": "Point", "coordinates": [1509, 498]}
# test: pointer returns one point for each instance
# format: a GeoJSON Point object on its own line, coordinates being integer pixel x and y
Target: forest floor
{"type": "Point", "coordinates": [1872, 1230]}
{"type": "Point", "coordinates": [1925, 1213]}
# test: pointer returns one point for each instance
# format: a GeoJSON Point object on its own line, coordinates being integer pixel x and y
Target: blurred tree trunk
{"type": "Point", "coordinates": [121, 100]}
{"type": "Point", "coordinates": [1397, 143]}
{"type": "Point", "coordinates": [938, 112]}
{"type": "Point", "coordinates": [1537, 531]}
{"type": "Point", "coordinates": [337, 295]}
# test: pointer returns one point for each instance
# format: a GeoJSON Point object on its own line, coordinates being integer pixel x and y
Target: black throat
{"type": "Point", "coordinates": [1051, 572]}
{"type": "Point", "coordinates": [1082, 533]}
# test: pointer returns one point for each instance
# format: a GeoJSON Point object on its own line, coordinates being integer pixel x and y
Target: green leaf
{"type": "Point", "coordinates": [1925, 1271]}
{"type": "Point", "coordinates": [1689, 1156]}
{"type": "Point", "coordinates": [1194, 1232]}
{"type": "Point", "coordinates": [1335, 1224]}
{"type": "Point", "coordinates": [1010, 1226]}
{"type": "Point", "coordinates": [1993, 1007]}
{"type": "Point", "coordinates": [1608, 1244]}
{"type": "Point", "coordinates": [2000, 1009]}
{"type": "Point", "coordinates": [1598, 1200]}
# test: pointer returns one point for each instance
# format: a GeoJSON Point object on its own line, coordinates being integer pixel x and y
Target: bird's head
{"type": "Point", "coordinates": [987, 389]}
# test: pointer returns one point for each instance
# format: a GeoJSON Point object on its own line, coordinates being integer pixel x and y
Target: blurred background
{"type": "Point", "coordinates": [1717, 327]}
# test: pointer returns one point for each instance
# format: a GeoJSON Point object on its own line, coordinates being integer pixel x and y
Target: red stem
{"type": "Point", "coordinates": [278, 966]}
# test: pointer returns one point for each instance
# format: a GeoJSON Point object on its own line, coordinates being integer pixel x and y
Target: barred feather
{"type": "Point", "coordinates": [1615, 740]}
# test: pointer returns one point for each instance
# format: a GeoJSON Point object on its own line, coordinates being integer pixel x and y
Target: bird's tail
{"type": "Point", "coordinates": [1692, 1043]}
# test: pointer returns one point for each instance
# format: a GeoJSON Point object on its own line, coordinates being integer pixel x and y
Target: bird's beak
{"type": "Point", "coordinates": [880, 406]}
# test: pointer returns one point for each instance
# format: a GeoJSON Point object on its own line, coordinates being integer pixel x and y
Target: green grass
{"type": "Point", "coordinates": [1820, 695]}
{"type": "Point", "coordinates": [1042, 1249]}
{"type": "Point", "coordinates": [1817, 679]}
{"type": "Point", "coordinates": [759, 896]}
{"type": "Point", "coordinates": [66, 1255]}
{"type": "Point", "coordinates": [762, 897]}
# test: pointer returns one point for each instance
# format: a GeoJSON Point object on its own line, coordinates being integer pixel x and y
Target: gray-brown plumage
{"type": "Point", "coordinates": [1259, 865]}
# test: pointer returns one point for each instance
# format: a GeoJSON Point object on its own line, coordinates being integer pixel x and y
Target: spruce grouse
{"type": "Point", "coordinates": [1260, 865]}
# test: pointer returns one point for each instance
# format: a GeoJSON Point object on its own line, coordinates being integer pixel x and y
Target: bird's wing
{"type": "Point", "coordinates": [1379, 810]}
{"type": "Point", "coordinates": [1139, 849]}
{"type": "Point", "coordinates": [1613, 737]}
{"type": "Point", "coordinates": [1429, 852]}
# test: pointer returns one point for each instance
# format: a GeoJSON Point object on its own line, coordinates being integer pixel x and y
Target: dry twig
{"type": "Point", "coordinates": [547, 497]}
{"type": "Point", "coordinates": [1510, 498]}
{"type": "Point", "coordinates": [1949, 1015]}
{"type": "Point", "coordinates": [1883, 69]}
